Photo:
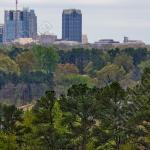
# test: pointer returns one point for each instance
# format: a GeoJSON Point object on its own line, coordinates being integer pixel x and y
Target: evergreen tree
{"type": "Point", "coordinates": [80, 107]}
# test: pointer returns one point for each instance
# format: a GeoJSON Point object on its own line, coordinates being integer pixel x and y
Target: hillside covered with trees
{"type": "Point", "coordinates": [82, 99]}
{"type": "Point", "coordinates": [86, 118]}
{"type": "Point", "coordinates": [26, 73]}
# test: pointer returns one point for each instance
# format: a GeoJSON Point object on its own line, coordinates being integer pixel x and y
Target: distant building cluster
{"type": "Point", "coordinates": [104, 42]}
{"type": "Point", "coordinates": [20, 27]}
{"type": "Point", "coordinates": [127, 41]}
{"type": "Point", "coordinates": [112, 43]}
{"type": "Point", "coordinates": [19, 24]}
{"type": "Point", "coordinates": [46, 39]}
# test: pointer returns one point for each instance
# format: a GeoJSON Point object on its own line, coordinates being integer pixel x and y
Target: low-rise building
{"type": "Point", "coordinates": [105, 42]}
{"type": "Point", "coordinates": [24, 41]}
{"type": "Point", "coordinates": [69, 43]}
{"type": "Point", "coordinates": [130, 43]}
{"type": "Point", "coordinates": [127, 41]}
{"type": "Point", "coordinates": [46, 39]}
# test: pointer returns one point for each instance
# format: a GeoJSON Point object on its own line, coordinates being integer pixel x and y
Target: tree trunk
{"type": "Point", "coordinates": [29, 92]}
{"type": "Point", "coordinates": [84, 140]}
{"type": "Point", "coordinates": [118, 143]}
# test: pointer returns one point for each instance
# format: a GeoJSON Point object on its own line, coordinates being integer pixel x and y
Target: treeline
{"type": "Point", "coordinates": [27, 72]}
{"type": "Point", "coordinates": [86, 118]}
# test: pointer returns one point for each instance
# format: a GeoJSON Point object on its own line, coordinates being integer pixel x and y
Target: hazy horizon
{"type": "Point", "coordinates": [101, 18]}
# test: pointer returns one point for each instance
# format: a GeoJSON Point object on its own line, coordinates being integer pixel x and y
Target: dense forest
{"type": "Point", "coordinates": [86, 118]}
{"type": "Point", "coordinates": [81, 99]}
{"type": "Point", "coordinates": [26, 73]}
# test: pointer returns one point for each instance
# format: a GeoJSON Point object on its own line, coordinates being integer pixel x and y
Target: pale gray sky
{"type": "Point", "coordinates": [101, 18]}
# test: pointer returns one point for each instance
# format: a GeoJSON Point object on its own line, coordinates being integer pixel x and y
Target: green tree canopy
{"type": "Point", "coordinates": [8, 65]}
{"type": "Point", "coordinates": [109, 74]}
{"type": "Point", "coordinates": [47, 58]}
{"type": "Point", "coordinates": [80, 109]}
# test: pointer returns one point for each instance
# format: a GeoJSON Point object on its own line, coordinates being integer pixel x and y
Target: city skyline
{"type": "Point", "coordinates": [112, 18]}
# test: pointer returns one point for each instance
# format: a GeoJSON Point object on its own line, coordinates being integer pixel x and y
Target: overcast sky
{"type": "Point", "coordinates": [101, 18]}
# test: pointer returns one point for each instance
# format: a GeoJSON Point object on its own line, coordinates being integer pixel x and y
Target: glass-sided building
{"type": "Point", "coordinates": [72, 25]}
{"type": "Point", "coordinates": [20, 24]}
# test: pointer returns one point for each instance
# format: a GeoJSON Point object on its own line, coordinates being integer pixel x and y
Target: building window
{"type": "Point", "coordinates": [11, 15]}
{"type": "Point", "coordinates": [21, 16]}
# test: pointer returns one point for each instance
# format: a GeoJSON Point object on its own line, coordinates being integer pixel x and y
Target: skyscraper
{"type": "Point", "coordinates": [1, 33]}
{"type": "Point", "coordinates": [72, 25]}
{"type": "Point", "coordinates": [20, 24]}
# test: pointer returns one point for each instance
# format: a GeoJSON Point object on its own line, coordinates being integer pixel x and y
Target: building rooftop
{"type": "Point", "coordinates": [106, 41]}
{"type": "Point", "coordinates": [24, 9]}
{"type": "Point", "coordinates": [69, 11]}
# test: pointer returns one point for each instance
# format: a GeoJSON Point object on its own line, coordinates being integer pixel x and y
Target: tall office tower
{"type": "Point", "coordinates": [20, 24]}
{"type": "Point", "coordinates": [1, 33]}
{"type": "Point", "coordinates": [72, 25]}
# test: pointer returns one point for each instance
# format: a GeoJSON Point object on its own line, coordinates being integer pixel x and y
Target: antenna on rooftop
{"type": "Point", "coordinates": [16, 20]}
{"type": "Point", "coordinates": [16, 5]}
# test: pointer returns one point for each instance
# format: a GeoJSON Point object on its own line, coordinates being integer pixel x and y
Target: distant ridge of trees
{"type": "Point", "coordinates": [26, 73]}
